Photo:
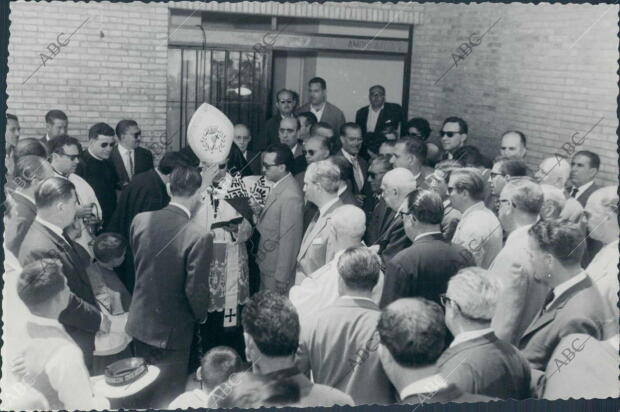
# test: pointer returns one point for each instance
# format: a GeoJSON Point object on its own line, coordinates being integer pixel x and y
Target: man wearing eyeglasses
{"type": "Point", "coordinates": [64, 157]}
{"type": "Point", "coordinates": [128, 157]}
{"type": "Point", "coordinates": [477, 361]}
{"type": "Point", "coordinates": [285, 105]}
{"type": "Point", "coordinates": [503, 169]}
{"type": "Point", "coordinates": [98, 170]}
{"type": "Point", "coordinates": [453, 135]}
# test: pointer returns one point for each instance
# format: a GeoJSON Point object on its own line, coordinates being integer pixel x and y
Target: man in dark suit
{"type": "Point", "coordinates": [477, 361]}
{"type": "Point", "coordinates": [424, 268]}
{"type": "Point", "coordinates": [573, 305]}
{"type": "Point", "coordinates": [98, 170]}
{"type": "Point", "coordinates": [391, 237]}
{"type": "Point", "coordinates": [453, 135]}
{"type": "Point", "coordinates": [30, 171]}
{"type": "Point", "coordinates": [288, 133]}
{"type": "Point", "coordinates": [351, 140]}
{"type": "Point", "coordinates": [412, 336]}
{"type": "Point", "coordinates": [242, 139]}
{"type": "Point", "coordinates": [56, 124]}
{"type": "Point", "coordinates": [171, 296]}
{"type": "Point", "coordinates": [338, 343]}
{"type": "Point", "coordinates": [279, 222]}
{"type": "Point", "coordinates": [320, 107]}
{"type": "Point", "coordinates": [145, 193]}
{"type": "Point", "coordinates": [285, 104]}
{"type": "Point", "coordinates": [47, 238]}
{"type": "Point", "coordinates": [128, 157]}
{"type": "Point", "coordinates": [410, 153]}
{"type": "Point", "coordinates": [373, 118]}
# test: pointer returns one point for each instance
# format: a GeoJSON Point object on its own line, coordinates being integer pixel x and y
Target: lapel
{"type": "Point", "coordinates": [387, 220]}
{"type": "Point", "coordinates": [381, 119]}
{"type": "Point", "coordinates": [317, 228]}
{"type": "Point", "coordinates": [119, 165]}
{"type": "Point", "coordinates": [274, 193]}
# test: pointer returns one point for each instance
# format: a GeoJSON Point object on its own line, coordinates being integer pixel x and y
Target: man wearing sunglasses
{"type": "Point", "coordinates": [453, 135]}
{"type": "Point", "coordinates": [285, 105]}
{"type": "Point", "coordinates": [98, 170]}
{"type": "Point", "coordinates": [128, 157]}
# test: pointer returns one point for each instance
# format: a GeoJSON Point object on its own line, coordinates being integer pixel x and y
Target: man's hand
{"type": "Point", "coordinates": [18, 365]}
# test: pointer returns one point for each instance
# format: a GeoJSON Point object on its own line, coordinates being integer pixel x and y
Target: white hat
{"type": "Point", "coordinates": [125, 377]}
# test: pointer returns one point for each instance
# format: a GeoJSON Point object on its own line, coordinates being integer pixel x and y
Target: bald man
{"type": "Point", "coordinates": [387, 231]}
{"type": "Point", "coordinates": [242, 139]}
{"type": "Point", "coordinates": [514, 144]}
{"type": "Point", "coordinates": [555, 171]}
{"type": "Point", "coordinates": [320, 289]}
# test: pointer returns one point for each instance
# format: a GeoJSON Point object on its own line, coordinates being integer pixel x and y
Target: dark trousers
{"type": "Point", "coordinates": [172, 365]}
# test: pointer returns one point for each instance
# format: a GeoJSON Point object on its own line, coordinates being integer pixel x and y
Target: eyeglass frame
{"type": "Point", "coordinates": [443, 298]}
{"type": "Point", "coordinates": [70, 156]}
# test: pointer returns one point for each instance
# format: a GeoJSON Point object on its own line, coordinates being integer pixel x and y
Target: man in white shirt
{"type": "Point", "coordinates": [56, 124]}
{"type": "Point", "coordinates": [477, 361]}
{"type": "Point", "coordinates": [584, 168]}
{"type": "Point", "coordinates": [128, 157]}
{"type": "Point", "coordinates": [478, 231]}
{"type": "Point", "coordinates": [351, 141]}
{"type": "Point", "coordinates": [320, 107]}
{"type": "Point", "coordinates": [53, 362]}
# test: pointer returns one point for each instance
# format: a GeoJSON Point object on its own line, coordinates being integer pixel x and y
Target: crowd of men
{"type": "Point", "coordinates": [384, 265]}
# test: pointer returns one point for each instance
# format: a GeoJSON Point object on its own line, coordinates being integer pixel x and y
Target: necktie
{"type": "Point", "coordinates": [573, 192]}
{"type": "Point", "coordinates": [130, 171]}
{"type": "Point", "coordinates": [548, 300]}
{"type": "Point", "coordinates": [67, 239]}
{"type": "Point", "coordinates": [357, 172]}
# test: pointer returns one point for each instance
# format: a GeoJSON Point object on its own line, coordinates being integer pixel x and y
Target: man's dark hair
{"type": "Point", "coordinates": [55, 115]}
{"type": "Point", "coordinates": [595, 160]}
{"type": "Point", "coordinates": [415, 147]}
{"type": "Point", "coordinates": [512, 167]}
{"type": "Point", "coordinates": [359, 268]}
{"type": "Point", "coordinates": [283, 153]}
{"type": "Point", "coordinates": [292, 93]}
{"type": "Point", "coordinates": [325, 144]}
{"type": "Point", "coordinates": [218, 364]}
{"type": "Point", "coordinates": [39, 282]}
{"type": "Point", "coordinates": [520, 134]}
{"type": "Point", "coordinates": [422, 125]}
{"type": "Point", "coordinates": [272, 321]}
{"type": "Point", "coordinates": [109, 246]}
{"type": "Point", "coordinates": [426, 206]}
{"type": "Point", "coordinates": [377, 86]}
{"type": "Point", "coordinates": [462, 123]}
{"type": "Point", "coordinates": [172, 160]}
{"type": "Point", "coordinates": [296, 120]}
{"type": "Point", "coordinates": [27, 169]}
{"type": "Point", "coordinates": [321, 125]}
{"type": "Point", "coordinates": [185, 181]}
{"type": "Point", "coordinates": [413, 331]}
{"type": "Point", "coordinates": [52, 190]}
{"type": "Point", "coordinates": [123, 125]}
{"type": "Point", "coordinates": [470, 156]}
{"type": "Point", "coordinates": [30, 146]}
{"type": "Point", "coordinates": [349, 125]}
{"type": "Point", "coordinates": [346, 169]}
{"type": "Point", "coordinates": [100, 129]}
{"type": "Point", "coordinates": [10, 116]}
{"type": "Point", "coordinates": [318, 80]}
{"type": "Point", "coordinates": [309, 116]}
{"type": "Point", "coordinates": [56, 144]}
{"type": "Point", "coordinates": [561, 238]}
{"type": "Point", "coordinates": [469, 180]}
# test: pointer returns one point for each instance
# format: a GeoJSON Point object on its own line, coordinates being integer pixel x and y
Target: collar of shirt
{"type": "Point", "coordinates": [371, 110]}
{"type": "Point", "coordinates": [342, 189]}
{"type": "Point", "coordinates": [446, 203]}
{"type": "Point", "coordinates": [58, 174]}
{"type": "Point", "coordinates": [183, 208]}
{"type": "Point", "coordinates": [352, 159]}
{"type": "Point", "coordinates": [313, 110]}
{"type": "Point", "coordinates": [426, 234]}
{"type": "Point", "coordinates": [416, 177]}
{"type": "Point", "coordinates": [326, 206]}
{"type": "Point", "coordinates": [91, 153]}
{"type": "Point", "coordinates": [47, 137]}
{"type": "Point", "coordinates": [27, 197]}
{"type": "Point", "coordinates": [245, 155]}
{"type": "Point", "coordinates": [50, 226]}
{"type": "Point", "coordinates": [560, 289]}
{"type": "Point", "coordinates": [357, 298]}
{"type": "Point", "coordinates": [473, 208]}
{"type": "Point", "coordinates": [123, 150]}
{"type": "Point", "coordinates": [294, 149]}
{"type": "Point", "coordinates": [469, 335]}
{"type": "Point", "coordinates": [403, 207]}
{"type": "Point", "coordinates": [40, 320]}
{"type": "Point", "coordinates": [430, 384]}
{"type": "Point", "coordinates": [583, 188]}
{"type": "Point", "coordinates": [160, 174]}
{"type": "Point", "coordinates": [278, 182]}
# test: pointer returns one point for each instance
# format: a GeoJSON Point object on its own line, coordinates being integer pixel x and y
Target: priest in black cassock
{"type": "Point", "coordinates": [97, 169]}
{"type": "Point", "coordinates": [145, 193]}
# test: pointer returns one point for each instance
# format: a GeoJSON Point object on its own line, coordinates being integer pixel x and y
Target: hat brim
{"type": "Point", "coordinates": [101, 387]}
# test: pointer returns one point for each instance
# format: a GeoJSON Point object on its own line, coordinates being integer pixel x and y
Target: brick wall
{"type": "Point", "coordinates": [547, 70]}
{"type": "Point", "coordinates": [113, 67]}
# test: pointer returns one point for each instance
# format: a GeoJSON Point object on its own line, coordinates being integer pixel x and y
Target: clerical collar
{"type": "Point", "coordinates": [93, 155]}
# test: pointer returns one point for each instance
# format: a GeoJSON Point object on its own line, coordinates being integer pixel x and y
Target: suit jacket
{"type": "Point", "coordinates": [299, 161]}
{"type": "Point", "coordinates": [280, 227]}
{"type": "Point", "coordinates": [423, 269]}
{"type": "Point", "coordinates": [339, 345]}
{"type": "Point", "coordinates": [583, 198]}
{"type": "Point", "coordinates": [315, 248]}
{"type": "Point", "coordinates": [172, 259]}
{"type": "Point", "coordinates": [386, 230]}
{"type": "Point", "coordinates": [580, 309]}
{"type": "Point", "coordinates": [449, 394]}
{"type": "Point", "coordinates": [487, 366]}
{"type": "Point", "coordinates": [331, 114]}
{"type": "Point", "coordinates": [450, 221]}
{"type": "Point", "coordinates": [480, 232]}
{"type": "Point", "coordinates": [310, 209]}
{"type": "Point", "coordinates": [254, 162]}
{"type": "Point", "coordinates": [82, 317]}
{"type": "Point", "coordinates": [17, 226]}
{"type": "Point", "coordinates": [143, 161]}
{"type": "Point", "coordinates": [268, 134]}
{"type": "Point", "coordinates": [391, 111]}
{"type": "Point", "coordinates": [365, 189]}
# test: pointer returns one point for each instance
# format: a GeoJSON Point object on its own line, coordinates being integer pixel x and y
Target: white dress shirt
{"type": "Point", "coordinates": [582, 189]}
{"type": "Point", "coordinates": [318, 113]}
{"type": "Point", "coordinates": [373, 116]}
{"type": "Point", "coordinates": [183, 208]}
{"type": "Point", "coordinates": [560, 289]}
{"type": "Point", "coordinates": [57, 230]}
{"type": "Point", "coordinates": [129, 159]}
{"type": "Point", "coordinates": [357, 169]}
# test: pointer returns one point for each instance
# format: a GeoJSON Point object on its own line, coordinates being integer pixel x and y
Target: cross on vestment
{"type": "Point", "coordinates": [228, 319]}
